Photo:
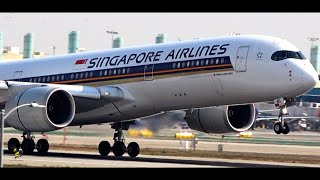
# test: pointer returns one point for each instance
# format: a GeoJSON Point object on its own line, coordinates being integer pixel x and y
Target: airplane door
{"type": "Point", "coordinates": [148, 72]}
{"type": "Point", "coordinates": [17, 75]}
{"type": "Point", "coordinates": [241, 61]}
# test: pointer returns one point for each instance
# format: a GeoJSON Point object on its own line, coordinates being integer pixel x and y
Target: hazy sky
{"type": "Point", "coordinates": [141, 28]}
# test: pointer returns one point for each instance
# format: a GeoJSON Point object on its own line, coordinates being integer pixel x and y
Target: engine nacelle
{"type": "Point", "coordinates": [223, 119]}
{"type": "Point", "coordinates": [58, 113]}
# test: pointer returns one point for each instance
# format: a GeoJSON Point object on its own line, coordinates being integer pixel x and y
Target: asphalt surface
{"type": "Point", "coordinates": [90, 159]}
{"type": "Point", "coordinates": [60, 158]}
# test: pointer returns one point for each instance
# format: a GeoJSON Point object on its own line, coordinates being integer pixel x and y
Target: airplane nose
{"type": "Point", "coordinates": [314, 78]}
{"type": "Point", "coordinates": [311, 78]}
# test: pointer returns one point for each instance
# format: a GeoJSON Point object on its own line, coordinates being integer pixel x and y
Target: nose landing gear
{"type": "Point", "coordinates": [281, 126]}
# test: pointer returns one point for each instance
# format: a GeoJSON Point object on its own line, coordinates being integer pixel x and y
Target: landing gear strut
{"type": "Point", "coordinates": [119, 147]}
{"type": "Point", "coordinates": [281, 126]}
{"type": "Point", "coordinates": [28, 145]}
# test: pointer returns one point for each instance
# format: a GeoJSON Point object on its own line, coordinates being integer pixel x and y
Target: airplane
{"type": "Point", "coordinates": [216, 80]}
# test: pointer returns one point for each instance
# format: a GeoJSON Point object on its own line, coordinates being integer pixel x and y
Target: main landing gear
{"type": "Point", "coordinates": [119, 147]}
{"type": "Point", "coordinates": [28, 145]}
{"type": "Point", "coordinates": [281, 126]}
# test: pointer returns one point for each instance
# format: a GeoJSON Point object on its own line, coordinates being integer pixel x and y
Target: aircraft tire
{"type": "Point", "coordinates": [28, 146]}
{"type": "Point", "coordinates": [42, 146]}
{"type": "Point", "coordinates": [286, 129]}
{"type": "Point", "coordinates": [277, 128]}
{"type": "Point", "coordinates": [118, 148]}
{"type": "Point", "coordinates": [133, 149]}
{"type": "Point", "coordinates": [13, 143]}
{"type": "Point", "coordinates": [104, 148]}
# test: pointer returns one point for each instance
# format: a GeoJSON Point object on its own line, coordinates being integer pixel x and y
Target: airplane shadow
{"type": "Point", "coordinates": [158, 160]}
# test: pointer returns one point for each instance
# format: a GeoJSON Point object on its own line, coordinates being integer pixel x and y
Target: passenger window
{"type": "Point", "coordinates": [62, 77]}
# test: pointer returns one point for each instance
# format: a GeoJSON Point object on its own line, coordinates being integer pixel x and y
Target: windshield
{"type": "Point", "coordinates": [281, 55]}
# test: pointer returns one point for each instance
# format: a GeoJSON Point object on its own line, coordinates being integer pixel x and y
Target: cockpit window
{"type": "Point", "coordinates": [281, 55]}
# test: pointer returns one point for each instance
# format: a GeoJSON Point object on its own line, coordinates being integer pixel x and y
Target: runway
{"type": "Point", "coordinates": [85, 154]}
{"type": "Point", "coordinates": [89, 159]}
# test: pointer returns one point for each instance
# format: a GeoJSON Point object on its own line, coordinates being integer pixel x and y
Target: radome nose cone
{"type": "Point", "coordinates": [312, 79]}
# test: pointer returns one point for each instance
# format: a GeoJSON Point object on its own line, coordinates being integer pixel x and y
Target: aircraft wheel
{"type": "Point", "coordinates": [104, 148]}
{"type": "Point", "coordinates": [42, 146]}
{"type": "Point", "coordinates": [133, 149]}
{"type": "Point", "coordinates": [13, 143]}
{"type": "Point", "coordinates": [277, 128]}
{"type": "Point", "coordinates": [286, 129]}
{"type": "Point", "coordinates": [27, 146]}
{"type": "Point", "coordinates": [118, 148]}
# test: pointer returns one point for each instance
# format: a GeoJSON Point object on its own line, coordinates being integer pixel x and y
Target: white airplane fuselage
{"type": "Point", "coordinates": [170, 76]}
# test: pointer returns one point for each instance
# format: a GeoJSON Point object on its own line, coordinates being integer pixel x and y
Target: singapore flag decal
{"type": "Point", "coordinates": [80, 63]}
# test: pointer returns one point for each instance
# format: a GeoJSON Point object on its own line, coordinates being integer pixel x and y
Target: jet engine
{"type": "Point", "coordinates": [222, 119]}
{"type": "Point", "coordinates": [58, 113]}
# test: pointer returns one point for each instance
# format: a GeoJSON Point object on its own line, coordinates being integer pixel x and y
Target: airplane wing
{"type": "Point", "coordinates": [76, 99]}
{"type": "Point", "coordinates": [110, 93]}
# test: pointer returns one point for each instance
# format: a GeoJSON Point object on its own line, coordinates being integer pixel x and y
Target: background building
{"type": "Point", "coordinates": [315, 57]}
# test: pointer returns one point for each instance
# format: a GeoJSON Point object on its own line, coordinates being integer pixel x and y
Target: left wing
{"type": "Point", "coordinates": [62, 103]}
